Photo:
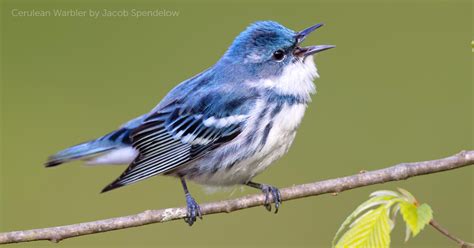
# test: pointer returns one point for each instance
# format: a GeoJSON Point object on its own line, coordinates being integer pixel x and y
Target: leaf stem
{"type": "Point", "coordinates": [462, 243]}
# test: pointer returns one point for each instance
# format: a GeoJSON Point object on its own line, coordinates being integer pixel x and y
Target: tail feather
{"type": "Point", "coordinates": [115, 184]}
{"type": "Point", "coordinates": [116, 139]}
{"type": "Point", "coordinates": [77, 152]}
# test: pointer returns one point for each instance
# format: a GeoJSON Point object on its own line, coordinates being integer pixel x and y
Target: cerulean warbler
{"type": "Point", "coordinates": [223, 126]}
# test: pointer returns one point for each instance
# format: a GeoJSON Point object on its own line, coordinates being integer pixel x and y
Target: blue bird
{"type": "Point", "coordinates": [223, 126]}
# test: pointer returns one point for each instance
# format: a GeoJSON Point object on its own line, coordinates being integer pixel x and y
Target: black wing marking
{"type": "Point", "coordinates": [166, 141]}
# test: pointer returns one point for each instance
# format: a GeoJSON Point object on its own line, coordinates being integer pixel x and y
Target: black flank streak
{"type": "Point", "coordinates": [250, 138]}
{"type": "Point", "coordinates": [276, 110]}
{"type": "Point", "coordinates": [266, 131]}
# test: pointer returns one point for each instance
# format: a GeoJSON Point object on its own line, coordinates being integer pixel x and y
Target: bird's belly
{"type": "Point", "coordinates": [278, 141]}
{"type": "Point", "coordinates": [278, 144]}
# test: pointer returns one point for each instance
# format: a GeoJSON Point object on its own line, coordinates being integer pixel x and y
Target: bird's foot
{"type": "Point", "coordinates": [269, 190]}
{"type": "Point", "coordinates": [193, 210]}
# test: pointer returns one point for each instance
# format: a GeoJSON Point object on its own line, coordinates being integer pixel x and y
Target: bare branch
{"type": "Point", "coordinates": [442, 230]}
{"type": "Point", "coordinates": [397, 172]}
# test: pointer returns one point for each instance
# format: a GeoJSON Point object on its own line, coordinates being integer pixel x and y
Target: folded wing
{"type": "Point", "coordinates": [173, 137]}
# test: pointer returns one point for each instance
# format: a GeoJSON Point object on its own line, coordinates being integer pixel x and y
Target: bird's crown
{"type": "Point", "coordinates": [261, 39]}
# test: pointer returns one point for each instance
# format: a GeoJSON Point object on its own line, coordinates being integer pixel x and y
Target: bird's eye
{"type": "Point", "coordinates": [279, 55]}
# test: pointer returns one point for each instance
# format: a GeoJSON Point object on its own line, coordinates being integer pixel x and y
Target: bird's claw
{"type": "Point", "coordinates": [269, 190]}
{"type": "Point", "coordinates": [193, 210]}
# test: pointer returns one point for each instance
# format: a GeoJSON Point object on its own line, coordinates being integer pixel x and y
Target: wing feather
{"type": "Point", "coordinates": [168, 140]}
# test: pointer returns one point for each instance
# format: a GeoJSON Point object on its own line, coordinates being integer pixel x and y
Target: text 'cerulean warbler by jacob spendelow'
{"type": "Point", "coordinates": [223, 126]}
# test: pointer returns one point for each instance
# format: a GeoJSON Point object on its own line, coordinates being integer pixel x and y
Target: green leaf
{"type": "Point", "coordinates": [409, 214]}
{"type": "Point", "coordinates": [371, 223]}
{"type": "Point", "coordinates": [372, 229]}
{"type": "Point", "coordinates": [378, 198]}
{"type": "Point", "coordinates": [407, 195]}
{"type": "Point", "coordinates": [415, 217]}
{"type": "Point", "coordinates": [425, 215]}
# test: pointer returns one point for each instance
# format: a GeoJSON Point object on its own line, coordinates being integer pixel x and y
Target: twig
{"type": "Point", "coordinates": [397, 172]}
{"type": "Point", "coordinates": [461, 243]}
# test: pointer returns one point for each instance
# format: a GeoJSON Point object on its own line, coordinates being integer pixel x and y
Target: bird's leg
{"type": "Point", "coordinates": [268, 190]}
{"type": "Point", "coordinates": [192, 207]}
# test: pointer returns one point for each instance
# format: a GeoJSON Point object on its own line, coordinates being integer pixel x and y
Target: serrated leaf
{"type": "Point", "coordinates": [372, 202]}
{"type": "Point", "coordinates": [367, 227]}
{"type": "Point", "coordinates": [410, 216]}
{"type": "Point", "coordinates": [415, 217]}
{"type": "Point", "coordinates": [425, 215]}
{"type": "Point", "coordinates": [371, 230]}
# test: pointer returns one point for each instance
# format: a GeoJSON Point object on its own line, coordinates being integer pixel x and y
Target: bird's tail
{"type": "Point", "coordinates": [114, 140]}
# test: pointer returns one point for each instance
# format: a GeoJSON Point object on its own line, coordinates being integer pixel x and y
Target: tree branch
{"type": "Point", "coordinates": [397, 172]}
{"type": "Point", "coordinates": [442, 230]}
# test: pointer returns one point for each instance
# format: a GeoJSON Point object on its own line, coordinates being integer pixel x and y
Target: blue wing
{"type": "Point", "coordinates": [179, 133]}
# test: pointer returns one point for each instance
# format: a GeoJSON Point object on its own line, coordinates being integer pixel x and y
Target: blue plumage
{"type": "Point", "coordinates": [225, 125]}
{"type": "Point", "coordinates": [117, 139]}
{"type": "Point", "coordinates": [114, 140]}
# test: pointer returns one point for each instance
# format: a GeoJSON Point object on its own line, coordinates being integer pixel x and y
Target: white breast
{"type": "Point", "coordinates": [279, 139]}
{"type": "Point", "coordinates": [278, 142]}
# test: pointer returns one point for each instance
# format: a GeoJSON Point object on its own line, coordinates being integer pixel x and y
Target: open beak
{"type": "Point", "coordinates": [310, 50]}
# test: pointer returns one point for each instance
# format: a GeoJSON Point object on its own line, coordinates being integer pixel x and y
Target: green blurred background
{"type": "Point", "coordinates": [397, 88]}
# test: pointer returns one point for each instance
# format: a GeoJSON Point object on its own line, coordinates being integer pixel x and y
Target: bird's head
{"type": "Point", "coordinates": [271, 43]}
{"type": "Point", "coordinates": [270, 50]}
